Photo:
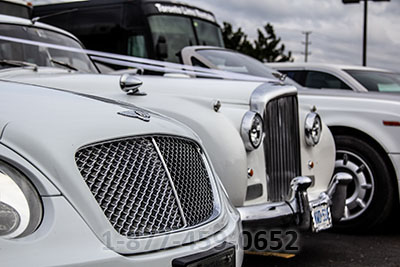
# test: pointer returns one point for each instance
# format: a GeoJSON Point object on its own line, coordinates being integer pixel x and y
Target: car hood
{"type": "Point", "coordinates": [236, 92]}
{"type": "Point", "coordinates": [48, 126]}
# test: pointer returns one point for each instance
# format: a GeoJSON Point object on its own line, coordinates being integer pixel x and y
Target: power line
{"type": "Point", "coordinates": [306, 44]}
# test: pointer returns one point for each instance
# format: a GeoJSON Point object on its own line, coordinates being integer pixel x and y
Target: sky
{"type": "Point", "coordinates": [337, 29]}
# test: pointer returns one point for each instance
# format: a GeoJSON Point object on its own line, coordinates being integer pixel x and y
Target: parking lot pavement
{"type": "Point", "coordinates": [336, 249]}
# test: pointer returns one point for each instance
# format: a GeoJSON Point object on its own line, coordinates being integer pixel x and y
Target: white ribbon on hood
{"type": "Point", "coordinates": [142, 63]}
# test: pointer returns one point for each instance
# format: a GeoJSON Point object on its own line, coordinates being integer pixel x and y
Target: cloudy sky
{"type": "Point", "coordinates": [337, 29]}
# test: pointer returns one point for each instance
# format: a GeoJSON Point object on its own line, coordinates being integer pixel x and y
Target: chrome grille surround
{"type": "Point", "coordinates": [281, 145]}
{"type": "Point", "coordinates": [145, 185]}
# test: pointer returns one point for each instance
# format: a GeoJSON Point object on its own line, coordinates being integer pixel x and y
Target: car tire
{"type": "Point", "coordinates": [370, 196]}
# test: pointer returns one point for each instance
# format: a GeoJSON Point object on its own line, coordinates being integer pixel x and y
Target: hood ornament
{"type": "Point", "coordinates": [137, 114]}
{"type": "Point", "coordinates": [129, 84]}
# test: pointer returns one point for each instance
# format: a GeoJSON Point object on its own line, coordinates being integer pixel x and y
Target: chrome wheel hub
{"type": "Point", "coordinates": [360, 191]}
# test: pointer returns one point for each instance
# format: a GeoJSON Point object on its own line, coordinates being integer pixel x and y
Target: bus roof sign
{"type": "Point", "coordinates": [168, 8]}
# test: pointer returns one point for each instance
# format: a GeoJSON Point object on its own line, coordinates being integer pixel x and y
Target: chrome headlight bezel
{"type": "Point", "coordinates": [312, 129]}
{"type": "Point", "coordinates": [19, 198]}
{"type": "Point", "coordinates": [252, 130]}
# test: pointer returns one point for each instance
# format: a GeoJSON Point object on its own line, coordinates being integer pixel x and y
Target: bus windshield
{"type": "Point", "coordinates": [208, 33]}
{"type": "Point", "coordinates": [179, 31]}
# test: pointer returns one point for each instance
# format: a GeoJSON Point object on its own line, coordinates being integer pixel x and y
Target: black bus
{"type": "Point", "coordinates": [17, 8]}
{"type": "Point", "coordinates": [141, 28]}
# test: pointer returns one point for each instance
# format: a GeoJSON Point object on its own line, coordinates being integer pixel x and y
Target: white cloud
{"type": "Point", "coordinates": [337, 28]}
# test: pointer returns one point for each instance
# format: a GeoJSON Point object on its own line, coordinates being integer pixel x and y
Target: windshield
{"type": "Point", "coordinates": [208, 33]}
{"type": "Point", "coordinates": [42, 56]}
{"type": "Point", "coordinates": [377, 81]}
{"type": "Point", "coordinates": [236, 62]}
{"type": "Point", "coordinates": [179, 31]}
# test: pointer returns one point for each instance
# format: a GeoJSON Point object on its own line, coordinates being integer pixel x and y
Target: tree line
{"type": "Point", "coordinates": [266, 48]}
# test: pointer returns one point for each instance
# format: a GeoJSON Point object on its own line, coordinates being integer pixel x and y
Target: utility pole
{"type": "Point", "coordinates": [364, 59]}
{"type": "Point", "coordinates": [306, 44]}
{"type": "Point", "coordinates": [364, 56]}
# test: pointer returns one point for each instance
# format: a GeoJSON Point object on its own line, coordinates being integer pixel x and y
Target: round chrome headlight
{"type": "Point", "coordinates": [252, 130]}
{"type": "Point", "coordinates": [20, 205]}
{"type": "Point", "coordinates": [313, 128]}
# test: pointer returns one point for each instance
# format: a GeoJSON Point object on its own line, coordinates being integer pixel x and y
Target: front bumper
{"type": "Point", "coordinates": [297, 209]}
{"type": "Point", "coordinates": [64, 239]}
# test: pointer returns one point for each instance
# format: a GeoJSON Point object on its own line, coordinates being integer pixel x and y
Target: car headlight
{"type": "Point", "coordinates": [252, 130]}
{"type": "Point", "coordinates": [20, 205]}
{"type": "Point", "coordinates": [313, 128]}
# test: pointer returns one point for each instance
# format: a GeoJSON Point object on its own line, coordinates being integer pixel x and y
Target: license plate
{"type": "Point", "coordinates": [211, 258]}
{"type": "Point", "coordinates": [321, 217]}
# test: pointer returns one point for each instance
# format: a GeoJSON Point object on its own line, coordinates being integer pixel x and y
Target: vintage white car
{"type": "Point", "coordinates": [365, 125]}
{"type": "Point", "coordinates": [92, 182]}
{"type": "Point", "coordinates": [361, 105]}
{"type": "Point", "coordinates": [275, 159]}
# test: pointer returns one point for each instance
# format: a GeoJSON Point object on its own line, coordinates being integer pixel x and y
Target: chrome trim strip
{"type": "Point", "coordinates": [170, 181]}
{"type": "Point", "coordinates": [217, 200]}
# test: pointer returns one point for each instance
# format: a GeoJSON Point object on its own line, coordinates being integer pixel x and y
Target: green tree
{"type": "Point", "coordinates": [236, 40]}
{"type": "Point", "coordinates": [266, 47]}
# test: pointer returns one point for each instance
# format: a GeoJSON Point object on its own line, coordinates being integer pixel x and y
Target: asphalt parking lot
{"type": "Point", "coordinates": [380, 248]}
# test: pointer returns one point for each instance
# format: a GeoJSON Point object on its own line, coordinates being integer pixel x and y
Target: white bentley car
{"type": "Point", "coordinates": [91, 182]}
{"type": "Point", "coordinates": [361, 108]}
{"type": "Point", "coordinates": [274, 157]}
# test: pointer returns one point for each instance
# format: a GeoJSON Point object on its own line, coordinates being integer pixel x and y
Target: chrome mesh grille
{"type": "Point", "coordinates": [282, 146]}
{"type": "Point", "coordinates": [131, 185]}
{"type": "Point", "coordinates": [190, 178]}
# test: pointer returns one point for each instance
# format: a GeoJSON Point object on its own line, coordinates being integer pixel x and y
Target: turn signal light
{"type": "Point", "coordinates": [391, 123]}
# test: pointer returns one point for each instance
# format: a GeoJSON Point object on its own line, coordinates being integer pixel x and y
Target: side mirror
{"type": "Point", "coordinates": [130, 84]}
{"type": "Point", "coordinates": [162, 48]}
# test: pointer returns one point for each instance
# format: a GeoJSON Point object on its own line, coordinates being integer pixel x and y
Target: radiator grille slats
{"type": "Point", "coordinates": [130, 183]}
{"type": "Point", "coordinates": [282, 146]}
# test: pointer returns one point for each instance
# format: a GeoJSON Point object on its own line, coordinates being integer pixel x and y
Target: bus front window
{"type": "Point", "coordinates": [137, 46]}
{"type": "Point", "coordinates": [208, 33]}
{"type": "Point", "coordinates": [175, 30]}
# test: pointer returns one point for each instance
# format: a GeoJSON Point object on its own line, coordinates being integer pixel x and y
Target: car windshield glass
{"type": "Point", "coordinates": [42, 56]}
{"type": "Point", "coordinates": [208, 33]}
{"type": "Point", "coordinates": [236, 62]}
{"type": "Point", "coordinates": [377, 81]}
{"type": "Point", "coordinates": [174, 31]}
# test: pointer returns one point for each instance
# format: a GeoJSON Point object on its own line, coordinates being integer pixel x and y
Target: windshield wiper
{"type": "Point", "coordinates": [17, 63]}
{"type": "Point", "coordinates": [64, 64]}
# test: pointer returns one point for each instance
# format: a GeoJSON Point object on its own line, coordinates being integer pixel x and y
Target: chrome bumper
{"type": "Point", "coordinates": [297, 209]}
